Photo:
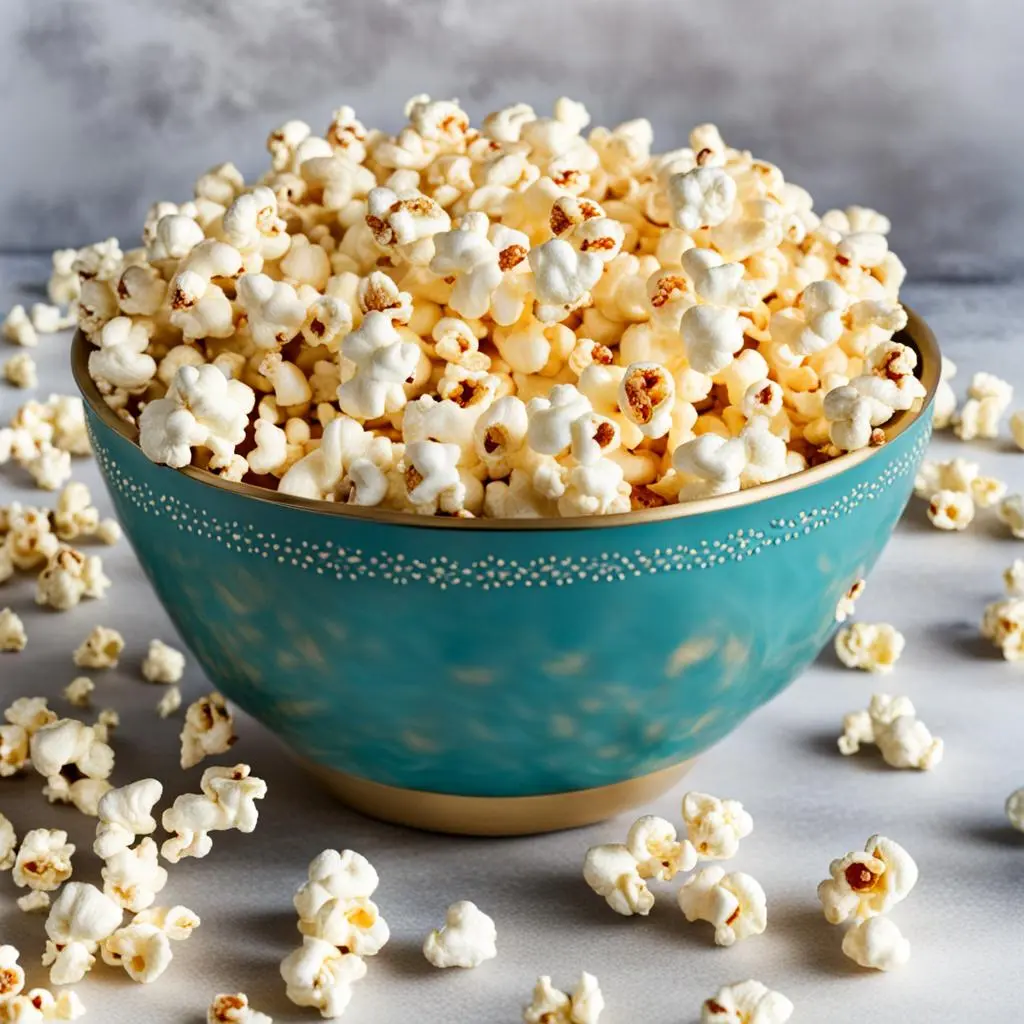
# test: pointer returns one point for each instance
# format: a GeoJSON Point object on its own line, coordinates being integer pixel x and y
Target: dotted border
{"type": "Point", "coordinates": [493, 572]}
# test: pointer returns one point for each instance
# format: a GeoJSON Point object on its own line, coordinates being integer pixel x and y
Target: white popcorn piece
{"type": "Point", "coordinates": [1016, 427]}
{"type": "Point", "coordinates": [735, 904]}
{"type": "Point", "coordinates": [334, 875]}
{"type": "Point", "coordinates": [405, 222]}
{"type": "Point", "coordinates": [710, 465]}
{"type": "Point", "coordinates": [876, 943]}
{"type": "Point", "coordinates": [746, 1002]}
{"type": "Point", "coordinates": [79, 692]}
{"type": "Point", "coordinates": [120, 358]}
{"type": "Point", "coordinates": [852, 416]}
{"type": "Point", "coordinates": [169, 703]}
{"type": "Point", "coordinates": [815, 322]}
{"type": "Point", "coordinates": [382, 364]}
{"type": "Point", "coordinates": [125, 813]}
{"type": "Point", "coordinates": [715, 827]}
{"type": "Point", "coordinates": [200, 308]}
{"type": "Point", "coordinates": [432, 477]}
{"type": "Point", "coordinates": [17, 327]}
{"type": "Point", "coordinates": [872, 647]}
{"type": "Point", "coordinates": [69, 577]}
{"type": "Point", "coordinates": [988, 397]}
{"type": "Point", "coordinates": [79, 920]}
{"type": "Point", "coordinates": [143, 950]}
{"type": "Point", "coordinates": [848, 602]}
{"type": "Point", "coordinates": [563, 277]}
{"type": "Point", "coordinates": [20, 371]}
{"type": "Point", "coordinates": [24, 717]}
{"type": "Point", "coordinates": [275, 310]}
{"type": "Point", "coordinates": [891, 724]}
{"type": "Point", "coordinates": [653, 843]}
{"type": "Point", "coordinates": [321, 976]}
{"type": "Point", "coordinates": [12, 976]}
{"type": "Point", "coordinates": [12, 632]}
{"type": "Point", "coordinates": [35, 901]}
{"type": "Point", "coordinates": [551, 419]}
{"type": "Point", "coordinates": [43, 862]}
{"type": "Point", "coordinates": [177, 922]}
{"type": "Point", "coordinates": [551, 1006]}
{"type": "Point", "coordinates": [1011, 512]}
{"type": "Point", "coordinates": [8, 844]}
{"type": "Point", "coordinates": [467, 938]}
{"type": "Point", "coordinates": [1013, 578]}
{"type": "Point", "coordinates": [132, 877]}
{"type": "Point", "coordinates": [866, 884]}
{"type": "Point", "coordinates": [163, 664]}
{"type": "Point", "coordinates": [70, 743]}
{"type": "Point", "coordinates": [614, 873]}
{"type": "Point", "coordinates": [1015, 809]}
{"type": "Point", "coordinates": [701, 198]}
{"type": "Point", "coordinates": [101, 649]}
{"type": "Point", "coordinates": [50, 467]}
{"type": "Point", "coordinates": [75, 516]}
{"type": "Point", "coordinates": [951, 510]}
{"type": "Point", "coordinates": [252, 225]}
{"type": "Point", "coordinates": [234, 1008]}
{"type": "Point", "coordinates": [1003, 624]}
{"type": "Point", "coordinates": [209, 729]}
{"type": "Point", "coordinates": [712, 335]}
{"type": "Point", "coordinates": [944, 404]}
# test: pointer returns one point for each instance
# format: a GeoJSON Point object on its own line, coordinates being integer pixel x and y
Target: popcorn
{"type": "Point", "coordinates": [67, 743]}
{"type": "Point", "coordinates": [466, 940]}
{"type": "Point", "coordinates": [234, 1009]}
{"type": "Point", "coordinates": [710, 465]}
{"type": "Point", "coordinates": [163, 664]}
{"type": "Point", "coordinates": [17, 327]}
{"type": "Point", "coordinates": [550, 1006]}
{"type": "Point", "coordinates": [876, 943]}
{"type": "Point", "coordinates": [988, 397]}
{"type": "Point", "coordinates": [864, 885]}
{"type": "Point", "coordinates": [868, 646]}
{"type": "Point", "coordinates": [251, 224]}
{"type": "Point", "coordinates": [320, 975]}
{"type": "Point", "coordinates": [8, 844]}
{"type": "Point", "coordinates": [121, 359]}
{"type": "Point", "coordinates": [951, 510]}
{"type": "Point", "coordinates": [1011, 512]}
{"type": "Point", "coordinates": [20, 371]}
{"type": "Point", "coordinates": [701, 198]}
{"type": "Point", "coordinates": [735, 904]}
{"type": "Point", "coordinates": [432, 477]}
{"type": "Point", "coordinates": [69, 577]}
{"type": "Point", "coordinates": [143, 950]}
{"type": "Point", "coordinates": [25, 717]}
{"type": "Point", "coordinates": [12, 977]}
{"type": "Point", "coordinates": [652, 842]}
{"type": "Point", "coordinates": [209, 729]}
{"type": "Point", "coordinates": [944, 403]}
{"type": "Point", "coordinates": [79, 920]}
{"type": "Point", "coordinates": [1003, 624]}
{"type": "Point", "coordinates": [35, 901]}
{"type": "Point", "coordinates": [101, 649]}
{"type": "Point", "coordinates": [646, 395]}
{"type": "Point", "coordinates": [746, 1002]}
{"type": "Point", "coordinates": [50, 467]}
{"type": "Point", "coordinates": [847, 603]}
{"type": "Point", "coordinates": [43, 862]}
{"type": "Point", "coordinates": [132, 877]}
{"type": "Point", "coordinates": [169, 702]}
{"type": "Point", "coordinates": [125, 813]}
{"type": "Point", "coordinates": [715, 827]}
{"type": "Point", "coordinates": [613, 872]}
{"type": "Point", "coordinates": [1015, 809]}
{"type": "Point", "coordinates": [177, 922]}
{"type": "Point", "coordinates": [891, 724]}
{"type": "Point", "coordinates": [334, 875]}
{"type": "Point", "coordinates": [79, 692]}
{"type": "Point", "coordinates": [12, 632]}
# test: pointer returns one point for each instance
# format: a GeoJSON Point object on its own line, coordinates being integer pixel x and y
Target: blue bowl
{"type": "Point", "coordinates": [506, 676]}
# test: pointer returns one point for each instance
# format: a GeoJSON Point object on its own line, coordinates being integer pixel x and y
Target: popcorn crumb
{"type": "Point", "coordinates": [1003, 624]}
{"type": "Point", "coordinates": [101, 649]}
{"type": "Point", "coordinates": [551, 1006]}
{"type": "Point", "coordinates": [613, 872]}
{"type": "Point", "coordinates": [79, 692]}
{"type": "Point", "coordinates": [466, 940]}
{"type": "Point", "coordinates": [876, 943]}
{"type": "Point", "coordinates": [20, 371]}
{"type": "Point", "coordinates": [321, 976]}
{"type": "Point", "coordinates": [35, 901]}
{"type": "Point", "coordinates": [234, 1009]}
{"type": "Point", "coordinates": [1011, 512]}
{"type": "Point", "coordinates": [143, 950]}
{"type": "Point", "coordinates": [12, 632]}
{"type": "Point", "coordinates": [209, 729]}
{"type": "Point", "coordinates": [746, 1002]}
{"type": "Point", "coordinates": [868, 646]}
{"type": "Point", "coordinates": [44, 860]}
{"type": "Point", "coordinates": [169, 702]}
{"type": "Point", "coordinates": [163, 664]}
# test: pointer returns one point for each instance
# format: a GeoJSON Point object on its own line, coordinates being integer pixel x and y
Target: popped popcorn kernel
{"type": "Point", "coordinates": [20, 371]}
{"type": "Point", "coordinates": [80, 919]}
{"type": "Point", "coordinates": [169, 703]}
{"type": "Point", "coordinates": [209, 729]}
{"type": "Point", "coordinates": [715, 827]}
{"type": "Point", "coordinates": [1015, 809]}
{"type": "Point", "coordinates": [12, 632]}
{"type": "Point", "coordinates": [951, 510]}
{"type": "Point", "coordinates": [101, 649]}
{"type": "Point", "coordinates": [17, 328]}
{"type": "Point", "coordinates": [79, 692]}
{"type": "Point", "coordinates": [735, 904]}
{"type": "Point", "coordinates": [8, 844]}
{"type": "Point", "coordinates": [551, 1006]}
{"type": "Point", "coordinates": [613, 872]}
{"type": "Point", "coordinates": [163, 664]}
{"type": "Point", "coordinates": [143, 950]}
{"type": "Point", "coordinates": [321, 976]}
{"type": "Point", "coordinates": [876, 943]}
{"type": "Point", "coordinates": [652, 842]}
{"type": "Point", "coordinates": [234, 1009]}
{"type": "Point", "coordinates": [848, 602]}
{"type": "Point", "coordinates": [746, 1002]}
{"type": "Point", "coordinates": [1011, 512]}
{"type": "Point", "coordinates": [866, 884]}
{"type": "Point", "coordinates": [869, 646]}
{"type": "Point", "coordinates": [891, 724]}
{"type": "Point", "coordinates": [466, 939]}
{"type": "Point", "coordinates": [1003, 624]}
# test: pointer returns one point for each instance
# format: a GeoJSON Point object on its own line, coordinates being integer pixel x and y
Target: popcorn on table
{"type": "Point", "coordinates": [234, 1009]}
{"type": "Point", "coordinates": [876, 943]}
{"type": "Point", "coordinates": [412, 282]}
{"type": "Point", "coordinates": [163, 664]}
{"type": "Point", "coordinates": [80, 919]}
{"type": "Point", "coordinates": [552, 1006]}
{"type": "Point", "coordinates": [8, 843]}
{"type": "Point", "coordinates": [715, 827]}
{"type": "Point", "coordinates": [466, 939]}
{"type": "Point", "coordinates": [25, 717]}
{"type": "Point", "coordinates": [79, 692]}
{"type": "Point", "coordinates": [891, 724]}
{"type": "Point", "coordinates": [169, 703]}
{"type": "Point", "coordinates": [209, 729]}
{"type": "Point", "coordinates": [867, 883]}
{"type": "Point", "coordinates": [100, 649]}
{"type": "Point", "coordinates": [735, 903]}
{"type": "Point", "coordinates": [746, 1002]}
{"type": "Point", "coordinates": [20, 371]}
{"type": "Point", "coordinates": [12, 632]}
{"type": "Point", "coordinates": [873, 647]}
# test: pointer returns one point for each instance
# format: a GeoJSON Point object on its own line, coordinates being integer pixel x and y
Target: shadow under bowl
{"type": "Point", "coordinates": [506, 676]}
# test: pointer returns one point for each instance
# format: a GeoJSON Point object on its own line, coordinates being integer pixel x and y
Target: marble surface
{"type": "Point", "coordinates": [898, 104]}
{"type": "Point", "coordinates": [964, 919]}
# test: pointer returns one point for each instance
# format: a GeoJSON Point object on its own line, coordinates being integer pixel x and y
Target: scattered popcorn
{"type": "Point", "coordinates": [101, 649]}
{"type": "Point", "coordinates": [20, 371]}
{"type": "Point", "coordinates": [864, 885]}
{"type": "Point", "coordinates": [35, 901]}
{"type": "Point", "coordinates": [12, 632]}
{"type": "Point", "coordinates": [70, 744]}
{"type": "Point", "coordinates": [234, 1009]}
{"type": "Point", "coordinates": [652, 843]}
{"type": "Point", "coordinates": [847, 603]}
{"type": "Point", "coordinates": [321, 976]}
{"type": "Point", "coordinates": [79, 692]}
{"type": "Point", "coordinates": [25, 717]}
{"type": "Point", "coordinates": [79, 920]}
{"type": "Point", "coordinates": [49, 467]}
{"type": "Point", "coordinates": [550, 1006]}
{"type": "Point", "coordinates": [891, 724]}
{"type": "Point", "coordinates": [178, 923]}
{"type": "Point", "coordinates": [944, 403]}
{"type": "Point", "coordinates": [163, 664]}
{"type": "Point", "coordinates": [70, 576]}
{"type": "Point", "coordinates": [713, 332]}
{"type": "Point", "coordinates": [735, 904]}
{"type": "Point", "coordinates": [17, 327]}
{"type": "Point", "coordinates": [143, 950]}
{"type": "Point", "coordinates": [715, 827]}
{"type": "Point", "coordinates": [988, 397]}
{"type": "Point", "coordinates": [44, 860]}
{"type": "Point", "coordinates": [8, 844]}
{"type": "Point", "coordinates": [334, 875]}
{"type": "Point", "coordinates": [871, 647]}
{"type": "Point", "coordinates": [951, 510]}
{"type": "Point", "coordinates": [467, 938]}
{"type": "Point", "coordinates": [12, 976]}
{"type": "Point", "coordinates": [876, 943]}
{"type": "Point", "coordinates": [1011, 512]}
{"type": "Point", "coordinates": [209, 729]}
{"type": "Point", "coordinates": [746, 1002]}
{"type": "Point", "coordinates": [125, 813]}
{"type": "Point", "coordinates": [169, 702]}
{"type": "Point", "coordinates": [1013, 578]}
{"type": "Point", "coordinates": [132, 876]}
{"type": "Point", "coordinates": [1015, 809]}
{"type": "Point", "coordinates": [1003, 624]}
{"type": "Point", "coordinates": [613, 872]}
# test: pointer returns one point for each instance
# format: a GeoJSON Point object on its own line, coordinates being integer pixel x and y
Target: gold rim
{"type": "Point", "coordinates": [917, 334]}
{"type": "Point", "coordinates": [495, 816]}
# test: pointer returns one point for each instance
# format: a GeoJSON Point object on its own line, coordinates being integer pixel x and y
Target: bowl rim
{"type": "Point", "coordinates": [917, 334]}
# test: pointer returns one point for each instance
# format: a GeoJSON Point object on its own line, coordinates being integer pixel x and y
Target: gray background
{"type": "Point", "coordinates": [908, 105]}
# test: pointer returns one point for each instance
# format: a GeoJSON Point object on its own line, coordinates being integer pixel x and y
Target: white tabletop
{"type": "Point", "coordinates": [965, 919]}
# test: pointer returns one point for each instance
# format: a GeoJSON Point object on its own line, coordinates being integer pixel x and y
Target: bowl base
{"type": "Point", "coordinates": [496, 816]}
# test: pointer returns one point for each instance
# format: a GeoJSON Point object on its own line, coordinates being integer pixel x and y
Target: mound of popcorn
{"type": "Point", "coordinates": [528, 319]}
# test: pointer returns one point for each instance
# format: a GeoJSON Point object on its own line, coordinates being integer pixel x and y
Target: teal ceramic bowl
{"type": "Point", "coordinates": [491, 676]}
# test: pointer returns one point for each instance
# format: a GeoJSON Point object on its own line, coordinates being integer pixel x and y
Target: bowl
{"type": "Point", "coordinates": [506, 676]}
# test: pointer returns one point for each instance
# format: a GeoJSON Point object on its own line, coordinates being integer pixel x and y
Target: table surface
{"type": "Point", "coordinates": [965, 918]}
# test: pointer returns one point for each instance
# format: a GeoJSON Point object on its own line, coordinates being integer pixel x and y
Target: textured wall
{"type": "Point", "coordinates": [902, 104]}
